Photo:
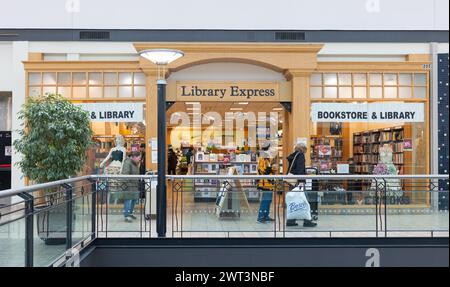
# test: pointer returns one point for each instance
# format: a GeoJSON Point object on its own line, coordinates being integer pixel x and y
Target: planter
{"type": "Point", "coordinates": [52, 224]}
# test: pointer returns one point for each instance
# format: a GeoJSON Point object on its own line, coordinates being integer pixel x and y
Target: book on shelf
{"type": "Point", "coordinates": [366, 147]}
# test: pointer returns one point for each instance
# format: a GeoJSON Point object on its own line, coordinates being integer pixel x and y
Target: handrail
{"type": "Point", "coordinates": [13, 192]}
{"type": "Point", "coordinates": [301, 177]}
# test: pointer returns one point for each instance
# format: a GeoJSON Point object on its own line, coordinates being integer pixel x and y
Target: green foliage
{"type": "Point", "coordinates": [54, 138]}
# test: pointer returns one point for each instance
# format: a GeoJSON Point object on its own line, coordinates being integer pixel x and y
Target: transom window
{"type": "Point", "coordinates": [377, 85]}
{"type": "Point", "coordinates": [88, 85]}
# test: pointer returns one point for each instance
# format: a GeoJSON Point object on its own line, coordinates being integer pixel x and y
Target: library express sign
{"type": "Point", "coordinates": [227, 91]}
{"type": "Point", "coordinates": [367, 112]}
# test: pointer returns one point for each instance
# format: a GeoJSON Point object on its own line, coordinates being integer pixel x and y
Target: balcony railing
{"type": "Point", "coordinates": [43, 222]}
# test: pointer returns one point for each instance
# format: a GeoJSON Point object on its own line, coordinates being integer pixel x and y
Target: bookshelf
{"type": "Point", "coordinates": [366, 145]}
{"type": "Point", "coordinates": [326, 151]}
{"type": "Point", "coordinates": [206, 189]}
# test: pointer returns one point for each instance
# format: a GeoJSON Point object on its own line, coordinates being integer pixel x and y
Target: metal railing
{"type": "Point", "coordinates": [47, 220]}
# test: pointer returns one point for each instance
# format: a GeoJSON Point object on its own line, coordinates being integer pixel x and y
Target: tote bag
{"type": "Point", "coordinates": [292, 182]}
{"type": "Point", "coordinates": [297, 206]}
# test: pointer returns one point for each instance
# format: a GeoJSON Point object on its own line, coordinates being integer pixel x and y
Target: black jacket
{"type": "Point", "coordinates": [172, 159]}
{"type": "Point", "coordinates": [298, 167]}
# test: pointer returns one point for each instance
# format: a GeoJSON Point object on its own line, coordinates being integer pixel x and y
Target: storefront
{"type": "Point", "coordinates": [343, 111]}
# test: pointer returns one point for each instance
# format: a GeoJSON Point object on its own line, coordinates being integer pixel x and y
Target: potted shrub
{"type": "Point", "coordinates": [54, 138]}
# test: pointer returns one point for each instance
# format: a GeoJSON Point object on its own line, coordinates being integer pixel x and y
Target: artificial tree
{"type": "Point", "coordinates": [54, 138]}
{"type": "Point", "coordinates": [53, 141]}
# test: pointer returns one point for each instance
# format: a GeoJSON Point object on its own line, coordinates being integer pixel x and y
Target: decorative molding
{"type": "Point", "coordinates": [82, 66]}
{"type": "Point", "coordinates": [188, 47]}
{"type": "Point", "coordinates": [373, 66]}
{"type": "Point", "coordinates": [292, 73]}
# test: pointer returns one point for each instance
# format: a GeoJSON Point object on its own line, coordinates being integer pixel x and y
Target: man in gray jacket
{"type": "Point", "coordinates": [131, 193]}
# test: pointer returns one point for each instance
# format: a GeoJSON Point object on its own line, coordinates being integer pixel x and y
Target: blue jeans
{"type": "Point", "coordinates": [264, 208]}
{"type": "Point", "coordinates": [128, 207]}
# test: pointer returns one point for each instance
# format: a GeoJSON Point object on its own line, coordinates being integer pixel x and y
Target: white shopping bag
{"type": "Point", "coordinates": [297, 206]}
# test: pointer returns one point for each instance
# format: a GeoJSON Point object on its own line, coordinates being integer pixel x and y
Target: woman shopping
{"type": "Point", "coordinates": [297, 167]}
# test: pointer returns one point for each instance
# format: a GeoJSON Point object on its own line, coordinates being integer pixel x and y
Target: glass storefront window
{"type": "Point", "coordinates": [95, 92]}
{"type": "Point", "coordinates": [345, 79]}
{"type": "Point", "coordinates": [65, 92]}
{"type": "Point", "coordinates": [125, 92]}
{"type": "Point", "coordinates": [405, 79]}
{"type": "Point", "coordinates": [79, 78]}
{"type": "Point", "coordinates": [330, 79]}
{"type": "Point", "coordinates": [139, 78]}
{"type": "Point", "coordinates": [316, 92]}
{"type": "Point", "coordinates": [110, 92]}
{"type": "Point", "coordinates": [420, 79]}
{"type": "Point", "coordinates": [345, 92]}
{"type": "Point", "coordinates": [125, 79]}
{"type": "Point", "coordinates": [316, 80]}
{"type": "Point", "coordinates": [390, 92]}
{"type": "Point", "coordinates": [388, 85]}
{"type": "Point", "coordinates": [110, 78]}
{"type": "Point", "coordinates": [34, 78]}
{"type": "Point", "coordinates": [330, 92]}
{"type": "Point", "coordinates": [94, 85]}
{"type": "Point", "coordinates": [49, 79]}
{"type": "Point", "coordinates": [95, 79]}
{"type": "Point", "coordinates": [49, 90]}
{"type": "Point", "coordinates": [405, 92]}
{"type": "Point", "coordinates": [79, 92]}
{"type": "Point", "coordinates": [376, 92]}
{"type": "Point", "coordinates": [376, 80]}
{"type": "Point", "coordinates": [64, 79]}
{"type": "Point", "coordinates": [390, 79]}
{"type": "Point", "coordinates": [360, 93]}
{"type": "Point", "coordinates": [360, 79]}
{"type": "Point", "coordinates": [139, 92]}
{"type": "Point", "coordinates": [420, 92]}
{"type": "Point", "coordinates": [357, 144]}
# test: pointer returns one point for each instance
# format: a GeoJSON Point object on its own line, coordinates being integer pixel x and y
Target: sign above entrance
{"type": "Point", "coordinates": [367, 112]}
{"type": "Point", "coordinates": [228, 91]}
{"type": "Point", "coordinates": [114, 112]}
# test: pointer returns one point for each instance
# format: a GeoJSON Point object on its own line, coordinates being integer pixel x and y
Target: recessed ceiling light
{"type": "Point", "coordinates": [192, 103]}
{"type": "Point", "coordinates": [243, 103]}
{"type": "Point", "coordinates": [235, 109]}
{"type": "Point", "coordinates": [277, 109]}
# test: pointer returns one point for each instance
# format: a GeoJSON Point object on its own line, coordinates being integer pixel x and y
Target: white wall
{"type": "Point", "coordinates": [5, 66]}
{"type": "Point", "coordinates": [230, 14]}
{"type": "Point", "coordinates": [19, 54]}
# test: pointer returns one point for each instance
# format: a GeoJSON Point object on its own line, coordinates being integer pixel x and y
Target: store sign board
{"type": "Point", "coordinates": [367, 112]}
{"type": "Point", "coordinates": [228, 91]}
{"type": "Point", "coordinates": [114, 112]}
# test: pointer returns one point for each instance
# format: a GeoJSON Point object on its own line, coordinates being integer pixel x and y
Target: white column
{"type": "Point", "coordinates": [19, 54]}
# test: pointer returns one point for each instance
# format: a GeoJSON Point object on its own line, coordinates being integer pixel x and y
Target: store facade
{"type": "Point", "coordinates": [343, 110]}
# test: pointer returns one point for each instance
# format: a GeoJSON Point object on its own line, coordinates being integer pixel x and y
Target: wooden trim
{"type": "Point", "coordinates": [35, 56]}
{"type": "Point", "coordinates": [189, 47]}
{"type": "Point", "coordinates": [133, 100]}
{"type": "Point", "coordinates": [68, 66]}
{"type": "Point", "coordinates": [355, 67]}
{"type": "Point", "coordinates": [418, 58]}
{"type": "Point", "coordinates": [369, 100]}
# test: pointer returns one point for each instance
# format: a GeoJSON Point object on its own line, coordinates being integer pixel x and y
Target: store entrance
{"type": "Point", "coordinates": [209, 138]}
